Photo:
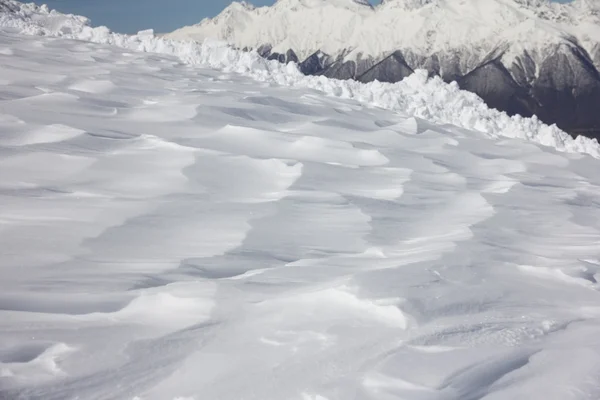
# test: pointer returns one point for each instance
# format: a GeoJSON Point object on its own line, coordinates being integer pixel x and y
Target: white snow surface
{"type": "Point", "coordinates": [430, 99]}
{"type": "Point", "coordinates": [353, 30]}
{"type": "Point", "coordinates": [177, 231]}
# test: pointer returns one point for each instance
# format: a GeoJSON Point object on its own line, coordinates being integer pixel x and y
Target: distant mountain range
{"type": "Point", "coordinates": [521, 56]}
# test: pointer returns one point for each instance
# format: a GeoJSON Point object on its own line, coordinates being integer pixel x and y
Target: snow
{"type": "Point", "coordinates": [475, 28]}
{"type": "Point", "coordinates": [417, 95]}
{"type": "Point", "coordinates": [174, 230]}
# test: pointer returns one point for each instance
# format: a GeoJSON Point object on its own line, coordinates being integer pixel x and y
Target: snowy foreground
{"type": "Point", "coordinates": [175, 232]}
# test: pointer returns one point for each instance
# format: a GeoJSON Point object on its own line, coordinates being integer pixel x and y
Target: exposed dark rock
{"type": "Point", "coordinates": [568, 89]}
{"type": "Point", "coordinates": [314, 65]}
{"type": "Point", "coordinates": [391, 69]}
{"type": "Point", "coordinates": [264, 50]}
{"type": "Point", "coordinates": [341, 70]}
{"type": "Point", "coordinates": [564, 89]}
{"type": "Point", "coordinates": [493, 83]}
{"type": "Point", "coordinates": [364, 64]}
{"type": "Point", "coordinates": [277, 56]}
{"type": "Point", "coordinates": [432, 64]}
{"type": "Point", "coordinates": [523, 70]}
{"type": "Point", "coordinates": [290, 56]}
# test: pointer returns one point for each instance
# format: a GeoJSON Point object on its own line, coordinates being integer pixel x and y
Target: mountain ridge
{"type": "Point", "coordinates": [346, 39]}
{"type": "Point", "coordinates": [561, 22]}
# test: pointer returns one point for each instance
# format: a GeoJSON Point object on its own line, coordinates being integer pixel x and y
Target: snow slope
{"type": "Point", "coordinates": [524, 57]}
{"type": "Point", "coordinates": [356, 30]}
{"type": "Point", "coordinates": [173, 231]}
{"type": "Point", "coordinates": [431, 99]}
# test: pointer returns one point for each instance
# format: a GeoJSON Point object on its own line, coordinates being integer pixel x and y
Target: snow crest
{"type": "Point", "coordinates": [419, 96]}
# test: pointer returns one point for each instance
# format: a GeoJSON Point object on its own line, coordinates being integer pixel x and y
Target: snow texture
{"type": "Point", "coordinates": [174, 231]}
{"type": "Point", "coordinates": [417, 95]}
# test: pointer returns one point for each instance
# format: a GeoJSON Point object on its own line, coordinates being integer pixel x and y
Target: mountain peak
{"type": "Point", "coordinates": [408, 4]}
{"type": "Point", "coordinates": [348, 4]}
{"type": "Point", "coordinates": [354, 28]}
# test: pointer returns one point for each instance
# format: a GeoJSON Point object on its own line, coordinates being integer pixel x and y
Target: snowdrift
{"type": "Point", "coordinates": [419, 96]}
{"type": "Point", "coordinates": [170, 231]}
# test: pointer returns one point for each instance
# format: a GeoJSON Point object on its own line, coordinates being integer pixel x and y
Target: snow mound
{"type": "Point", "coordinates": [417, 95]}
{"type": "Point", "coordinates": [178, 232]}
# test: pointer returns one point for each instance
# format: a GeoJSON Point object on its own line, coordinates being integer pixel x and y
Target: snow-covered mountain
{"type": "Point", "coordinates": [521, 56]}
{"type": "Point", "coordinates": [184, 221]}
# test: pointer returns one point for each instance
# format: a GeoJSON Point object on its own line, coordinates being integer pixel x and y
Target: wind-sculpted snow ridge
{"type": "Point", "coordinates": [170, 232]}
{"type": "Point", "coordinates": [430, 99]}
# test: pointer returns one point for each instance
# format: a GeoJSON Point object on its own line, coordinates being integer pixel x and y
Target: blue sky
{"type": "Point", "coordinates": [130, 16]}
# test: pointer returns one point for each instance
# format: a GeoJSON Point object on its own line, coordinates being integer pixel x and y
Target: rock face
{"type": "Point", "coordinates": [565, 90]}
{"type": "Point", "coordinates": [527, 57]}
{"type": "Point", "coordinates": [391, 69]}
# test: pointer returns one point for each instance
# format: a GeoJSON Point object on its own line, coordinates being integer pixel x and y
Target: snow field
{"type": "Point", "coordinates": [430, 99]}
{"type": "Point", "coordinates": [170, 232]}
